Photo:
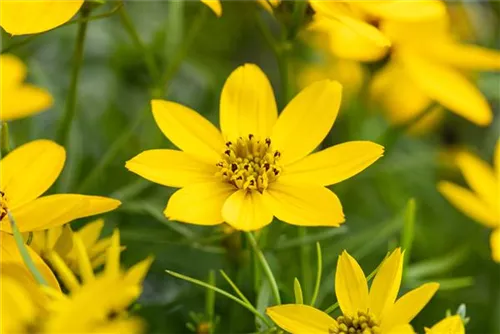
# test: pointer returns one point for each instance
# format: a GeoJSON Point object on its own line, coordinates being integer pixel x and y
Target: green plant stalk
{"type": "Point", "coordinates": [210, 302]}
{"type": "Point", "coordinates": [24, 252]}
{"type": "Point", "coordinates": [299, 11]}
{"type": "Point", "coordinates": [222, 292]}
{"type": "Point", "coordinates": [319, 272]}
{"type": "Point", "coordinates": [305, 255]}
{"type": "Point", "coordinates": [265, 266]}
{"type": "Point", "coordinates": [4, 139]}
{"type": "Point", "coordinates": [408, 233]}
{"type": "Point", "coordinates": [235, 288]}
{"type": "Point", "coordinates": [70, 109]}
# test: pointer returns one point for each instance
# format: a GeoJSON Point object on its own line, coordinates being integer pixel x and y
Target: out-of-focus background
{"type": "Point", "coordinates": [113, 123]}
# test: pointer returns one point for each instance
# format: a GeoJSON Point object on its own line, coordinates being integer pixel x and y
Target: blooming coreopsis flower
{"type": "Point", "coordinates": [60, 240]}
{"type": "Point", "coordinates": [260, 166]}
{"type": "Point", "coordinates": [18, 98]}
{"type": "Point", "coordinates": [449, 325]}
{"type": "Point", "coordinates": [426, 65]}
{"type": "Point", "coordinates": [482, 203]}
{"type": "Point", "coordinates": [376, 310]}
{"type": "Point", "coordinates": [35, 16]}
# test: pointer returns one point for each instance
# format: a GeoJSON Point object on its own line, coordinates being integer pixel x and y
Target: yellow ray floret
{"type": "Point", "coordinates": [261, 165]}
{"type": "Point", "coordinates": [377, 308]}
{"type": "Point", "coordinates": [452, 324]}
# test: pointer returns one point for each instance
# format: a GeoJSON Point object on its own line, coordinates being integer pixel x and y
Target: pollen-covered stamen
{"type": "Point", "coordinates": [3, 205]}
{"type": "Point", "coordinates": [361, 323]}
{"type": "Point", "coordinates": [249, 163]}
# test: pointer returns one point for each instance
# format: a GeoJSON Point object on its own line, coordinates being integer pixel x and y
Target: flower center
{"type": "Point", "coordinates": [249, 163]}
{"type": "Point", "coordinates": [3, 205]}
{"type": "Point", "coordinates": [361, 323]}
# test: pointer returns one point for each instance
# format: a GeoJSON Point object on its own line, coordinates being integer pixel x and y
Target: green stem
{"type": "Point", "coordinates": [319, 272]}
{"type": "Point", "coordinates": [24, 252]}
{"type": "Point", "coordinates": [210, 302]}
{"type": "Point", "coordinates": [265, 266]}
{"type": "Point", "coordinates": [134, 35]}
{"type": "Point", "coordinates": [408, 233]}
{"type": "Point", "coordinates": [299, 11]}
{"type": "Point", "coordinates": [70, 110]}
{"type": "Point", "coordinates": [222, 292]}
{"type": "Point", "coordinates": [4, 138]}
{"type": "Point", "coordinates": [235, 288]}
{"type": "Point", "coordinates": [304, 258]}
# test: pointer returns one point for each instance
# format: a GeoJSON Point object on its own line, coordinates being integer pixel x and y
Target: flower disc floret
{"type": "Point", "coordinates": [3, 205]}
{"type": "Point", "coordinates": [361, 323]}
{"type": "Point", "coordinates": [249, 163]}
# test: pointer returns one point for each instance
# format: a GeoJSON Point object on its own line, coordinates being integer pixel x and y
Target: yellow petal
{"type": "Point", "coordinates": [419, 34]}
{"type": "Point", "coordinates": [449, 325]}
{"type": "Point", "coordinates": [199, 204]}
{"type": "Point", "coordinates": [64, 273]}
{"type": "Point", "coordinates": [23, 17]}
{"type": "Point", "coordinates": [449, 88]}
{"type": "Point", "coordinates": [303, 204]}
{"type": "Point", "coordinates": [298, 319]}
{"type": "Point", "coordinates": [89, 234]}
{"type": "Point", "coordinates": [54, 210]}
{"type": "Point", "coordinates": [385, 286]}
{"type": "Point", "coordinates": [214, 5]}
{"type": "Point", "coordinates": [481, 178]}
{"type": "Point", "coordinates": [351, 287]}
{"type": "Point", "coordinates": [113, 254]}
{"type": "Point", "coordinates": [245, 210]}
{"type": "Point", "coordinates": [34, 99]}
{"type": "Point", "coordinates": [266, 5]}
{"type": "Point", "coordinates": [247, 104]}
{"type": "Point", "coordinates": [85, 267]}
{"type": "Point", "coordinates": [495, 244]}
{"type": "Point", "coordinates": [29, 170]}
{"type": "Point", "coordinates": [13, 71]}
{"type": "Point", "coordinates": [12, 263]}
{"type": "Point", "coordinates": [468, 202]}
{"type": "Point", "coordinates": [187, 130]}
{"type": "Point", "coordinates": [403, 10]}
{"type": "Point", "coordinates": [402, 329]}
{"type": "Point", "coordinates": [306, 120]}
{"type": "Point", "coordinates": [496, 161]}
{"type": "Point", "coordinates": [171, 168]}
{"type": "Point", "coordinates": [136, 274]}
{"type": "Point", "coordinates": [408, 306]}
{"type": "Point", "coordinates": [334, 164]}
{"type": "Point", "coordinates": [469, 57]}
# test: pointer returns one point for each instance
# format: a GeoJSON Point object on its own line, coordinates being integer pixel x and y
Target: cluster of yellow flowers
{"type": "Point", "coordinates": [261, 164]}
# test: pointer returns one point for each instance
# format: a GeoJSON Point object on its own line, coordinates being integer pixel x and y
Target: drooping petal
{"type": "Point", "coordinates": [385, 285]}
{"type": "Point", "coordinates": [468, 202]}
{"type": "Point", "coordinates": [13, 264]}
{"type": "Point", "coordinates": [481, 178]}
{"type": "Point", "coordinates": [188, 130]}
{"type": "Point", "coordinates": [403, 10]}
{"type": "Point", "coordinates": [334, 164]}
{"type": "Point", "coordinates": [306, 120]}
{"type": "Point", "coordinates": [246, 211]}
{"type": "Point", "coordinates": [24, 17]}
{"type": "Point", "coordinates": [298, 319]}
{"type": "Point", "coordinates": [452, 324]}
{"type": "Point", "coordinates": [171, 168]}
{"type": "Point", "coordinates": [55, 210]}
{"type": "Point", "coordinates": [351, 287]}
{"type": "Point", "coordinates": [450, 88]}
{"type": "Point", "coordinates": [214, 5]}
{"type": "Point", "coordinates": [304, 205]}
{"type": "Point", "coordinates": [247, 104]}
{"type": "Point", "coordinates": [199, 204]}
{"type": "Point", "coordinates": [29, 170]}
{"type": "Point", "coordinates": [495, 244]}
{"type": "Point", "coordinates": [408, 306]}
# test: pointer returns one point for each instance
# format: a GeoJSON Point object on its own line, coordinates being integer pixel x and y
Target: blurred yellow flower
{"type": "Point", "coordinates": [18, 98]}
{"type": "Point", "coordinates": [482, 203]}
{"type": "Point", "coordinates": [426, 65]}
{"type": "Point", "coordinates": [60, 240]}
{"type": "Point", "coordinates": [261, 164]}
{"type": "Point", "coordinates": [18, 17]}
{"type": "Point", "coordinates": [216, 7]}
{"type": "Point", "coordinates": [449, 325]}
{"type": "Point", "coordinates": [378, 309]}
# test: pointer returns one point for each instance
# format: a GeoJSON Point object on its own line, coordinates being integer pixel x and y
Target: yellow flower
{"type": "Point", "coordinates": [216, 7]}
{"type": "Point", "coordinates": [377, 309]}
{"type": "Point", "coordinates": [60, 240]}
{"type": "Point", "coordinates": [100, 300]}
{"type": "Point", "coordinates": [483, 202]}
{"type": "Point", "coordinates": [35, 16]}
{"type": "Point", "coordinates": [260, 166]}
{"type": "Point", "coordinates": [19, 99]}
{"type": "Point", "coordinates": [426, 66]}
{"type": "Point", "coordinates": [449, 325]}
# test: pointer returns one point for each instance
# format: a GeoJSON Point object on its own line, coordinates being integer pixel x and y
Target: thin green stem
{"type": "Point", "coordinates": [408, 233]}
{"type": "Point", "coordinates": [24, 251]}
{"type": "Point", "coordinates": [319, 272]}
{"type": "Point", "coordinates": [70, 110]}
{"type": "Point", "coordinates": [235, 288]}
{"type": "Point", "coordinates": [210, 302]}
{"type": "Point", "coordinates": [134, 35]}
{"type": "Point", "coordinates": [265, 266]}
{"type": "Point", "coordinates": [304, 257]}
{"type": "Point", "coordinates": [222, 292]}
